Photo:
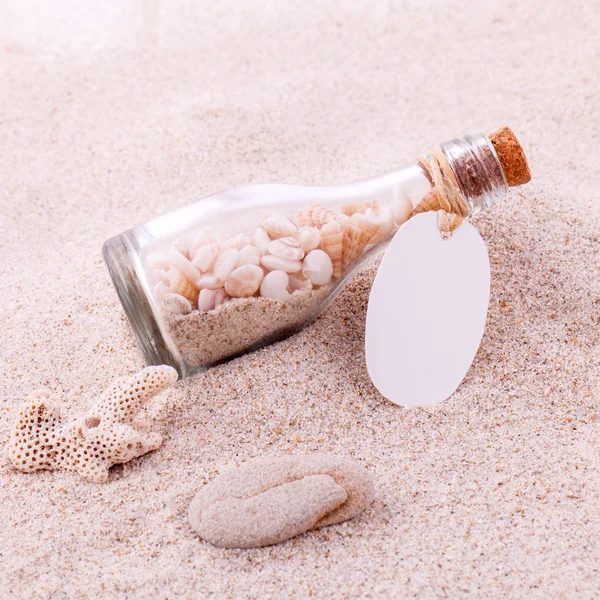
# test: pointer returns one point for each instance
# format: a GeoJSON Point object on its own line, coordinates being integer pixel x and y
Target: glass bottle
{"type": "Point", "coordinates": [249, 266]}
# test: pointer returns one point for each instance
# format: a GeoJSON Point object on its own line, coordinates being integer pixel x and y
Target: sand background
{"type": "Point", "coordinates": [110, 116]}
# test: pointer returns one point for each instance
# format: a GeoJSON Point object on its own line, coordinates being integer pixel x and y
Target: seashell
{"type": "Point", "coordinates": [209, 281]}
{"type": "Point", "coordinates": [176, 304]}
{"type": "Point", "coordinates": [278, 263]}
{"type": "Point", "coordinates": [360, 207]}
{"type": "Point", "coordinates": [219, 237]}
{"type": "Point", "coordinates": [357, 235]}
{"type": "Point", "coordinates": [182, 246]}
{"type": "Point", "coordinates": [309, 238]}
{"type": "Point", "coordinates": [204, 238]}
{"type": "Point", "coordinates": [314, 216]}
{"type": "Point", "coordinates": [278, 226]}
{"type": "Point", "coordinates": [158, 261]}
{"type": "Point", "coordinates": [225, 263]}
{"type": "Point", "coordinates": [161, 290]}
{"type": "Point", "coordinates": [274, 285]}
{"type": "Point", "coordinates": [332, 238]}
{"type": "Point", "coordinates": [183, 265]}
{"type": "Point", "coordinates": [210, 299]}
{"type": "Point", "coordinates": [298, 282]}
{"type": "Point", "coordinates": [287, 247]}
{"type": "Point", "coordinates": [205, 256]}
{"type": "Point", "coordinates": [429, 202]}
{"type": "Point", "coordinates": [244, 281]}
{"type": "Point", "coordinates": [249, 255]}
{"type": "Point", "coordinates": [160, 275]}
{"type": "Point", "coordinates": [261, 240]}
{"type": "Point", "coordinates": [238, 242]}
{"type": "Point", "coordinates": [317, 267]}
{"type": "Point", "coordinates": [384, 220]}
{"type": "Point", "coordinates": [402, 206]}
{"type": "Point", "coordinates": [178, 284]}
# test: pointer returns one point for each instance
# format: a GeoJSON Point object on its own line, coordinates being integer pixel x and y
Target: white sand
{"type": "Point", "coordinates": [108, 119]}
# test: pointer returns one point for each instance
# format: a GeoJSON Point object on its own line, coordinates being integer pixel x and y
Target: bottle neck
{"type": "Point", "coordinates": [477, 170]}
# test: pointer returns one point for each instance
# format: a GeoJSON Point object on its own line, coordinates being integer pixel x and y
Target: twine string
{"type": "Point", "coordinates": [452, 204]}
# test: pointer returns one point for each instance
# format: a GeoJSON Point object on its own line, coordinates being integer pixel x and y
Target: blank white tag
{"type": "Point", "coordinates": [427, 312]}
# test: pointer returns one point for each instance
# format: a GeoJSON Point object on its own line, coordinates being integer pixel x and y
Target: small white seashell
{"type": "Point", "coordinates": [158, 261]}
{"type": "Point", "coordinates": [160, 275]}
{"type": "Point", "coordinates": [277, 263]}
{"type": "Point", "coordinates": [182, 245]}
{"type": "Point", "coordinates": [318, 267]}
{"type": "Point", "coordinates": [176, 304]}
{"type": "Point", "coordinates": [249, 255]}
{"type": "Point", "coordinates": [244, 281]}
{"type": "Point", "coordinates": [205, 256]}
{"type": "Point", "coordinates": [278, 226]}
{"type": "Point", "coordinates": [210, 299]}
{"type": "Point", "coordinates": [225, 263]}
{"type": "Point", "coordinates": [287, 247]}
{"type": "Point", "coordinates": [161, 290]}
{"type": "Point", "coordinates": [261, 240]}
{"type": "Point", "coordinates": [402, 206]}
{"type": "Point", "coordinates": [209, 281]}
{"type": "Point", "coordinates": [219, 237]}
{"type": "Point", "coordinates": [201, 239]}
{"type": "Point", "coordinates": [297, 282]}
{"type": "Point", "coordinates": [309, 238]}
{"type": "Point", "coordinates": [274, 285]}
{"type": "Point", "coordinates": [183, 265]}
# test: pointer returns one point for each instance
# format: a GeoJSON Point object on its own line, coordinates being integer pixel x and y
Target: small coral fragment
{"type": "Point", "coordinates": [92, 443]}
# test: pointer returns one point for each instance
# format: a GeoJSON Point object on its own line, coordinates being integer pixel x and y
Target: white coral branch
{"type": "Point", "coordinates": [92, 443]}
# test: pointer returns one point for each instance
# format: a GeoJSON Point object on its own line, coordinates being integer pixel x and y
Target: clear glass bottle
{"type": "Point", "coordinates": [249, 266]}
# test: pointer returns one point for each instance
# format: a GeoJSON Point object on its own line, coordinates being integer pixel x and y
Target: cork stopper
{"type": "Point", "coordinates": [511, 155]}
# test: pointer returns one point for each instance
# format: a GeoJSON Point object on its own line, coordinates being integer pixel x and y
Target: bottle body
{"type": "Point", "coordinates": [246, 267]}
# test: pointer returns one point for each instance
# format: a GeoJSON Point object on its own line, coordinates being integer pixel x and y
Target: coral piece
{"type": "Point", "coordinates": [272, 500]}
{"type": "Point", "coordinates": [357, 235]}
{"type": "Point", "coordinates": [360, 207]}
{"type": "Point", "coordinates": [332, 238]}
{"type": "Point", "coordinates": [92, 443]}
{"type": "Point", "coordinates": [314, 216]}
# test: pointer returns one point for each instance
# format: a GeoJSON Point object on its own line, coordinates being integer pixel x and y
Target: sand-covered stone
{"type": "Point", "coordinates": [272, 500]}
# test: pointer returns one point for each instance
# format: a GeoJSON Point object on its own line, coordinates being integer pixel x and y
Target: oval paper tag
{"type": "Point", "coordinates": [427, 312]}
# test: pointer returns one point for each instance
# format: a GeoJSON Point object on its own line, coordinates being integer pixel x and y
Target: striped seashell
{"type": "Point", "coordinates": [314, 216]}
{"type": "Point", "coordinates": [357, 235]}
{"type": "Point", "coordinates": [178, 284]}
{"type": "Point", "coordinates": [430, 201]}
{"type": "Point", "coordinates": [332, 238]}
{"type": "Point", "coordinates": [360, 207]}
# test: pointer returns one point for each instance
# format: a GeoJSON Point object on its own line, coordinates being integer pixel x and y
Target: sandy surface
{"type": "Point", "coordinates": [108, 119]}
